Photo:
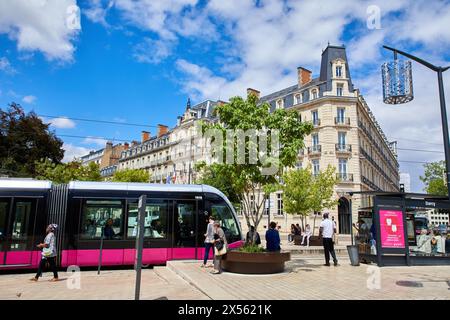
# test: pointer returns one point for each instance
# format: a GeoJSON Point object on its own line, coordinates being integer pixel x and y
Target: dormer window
{"type": "Point", "coordinates": [314, 94]}
{"type": "Point", "coordinates": [297, 98]}
{"type": "Point", "coordinates": [279, 103]}
{"type": "Point", "coordinates": [338, 71]}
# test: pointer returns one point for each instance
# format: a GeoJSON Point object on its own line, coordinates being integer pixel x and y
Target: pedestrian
{"type": "Point", "coordinates": [306, 235]}
{"type": "Point", "coordinates": [326, 231]}
{"type": "Point", "coordinates": [298, 230]}
{"type": "Point", "coordinates": [292, 234]}
{"type": "Point", "coordinates": [252, 237]}
{"type": "Point", "coordinates": [48, 253]}
{"type": "Point", "coordinates": [209, 241]}
{"type": "Point", "coordinates": [220, 247]}
{"type": "Point", "coordinates": [273, 238]}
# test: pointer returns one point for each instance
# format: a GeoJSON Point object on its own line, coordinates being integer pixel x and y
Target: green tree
{"type": "Point", "coordinates": [304, 193]}
{"type": "Point", "coordinates": [65, 172]}
{"type": "Point", "coordinates": [433, 178]}
{"type": "Point", "coordinates": [25, 139]}
{"type": "Point", "coordinates": [249, 184]}
{"type": "Point", "coordinates": [131, 175]}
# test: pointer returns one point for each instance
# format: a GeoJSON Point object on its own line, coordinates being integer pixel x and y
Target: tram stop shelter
{"type": "Point", "coordinates": [395, 229]}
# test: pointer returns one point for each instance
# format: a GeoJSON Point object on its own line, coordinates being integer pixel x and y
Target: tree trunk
{"type": "Point", "coordinates": [314, 224]}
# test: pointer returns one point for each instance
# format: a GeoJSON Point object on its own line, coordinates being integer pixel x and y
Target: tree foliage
{"type": "Point", "coordinates": [304, 193]}
{"type": "Point", "coordinates": [248, 185]}
{"type": "Point", "coordinates": [25, 139]}
{"type": "Point", "coordinates": [65, 172]}
{"type": "Point", "coordinates": [131, 175]}
{"type": "Point", "coordinates": [433, 178]}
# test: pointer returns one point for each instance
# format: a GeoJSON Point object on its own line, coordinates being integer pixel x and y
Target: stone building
{"type": "Point", "coordinates": [346, 135]}
{"type": "Point", "coordinates": [107, 158]}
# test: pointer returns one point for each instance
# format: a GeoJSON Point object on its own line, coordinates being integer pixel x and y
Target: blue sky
{"type": "Point", "coordinates": [138, 61]}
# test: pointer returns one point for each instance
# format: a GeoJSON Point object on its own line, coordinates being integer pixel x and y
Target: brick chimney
{"type": "Point", "coordinates": [134, 143]}
{"type": "Point", "coordinates": [162, 129]}
{"type": "Point", "coordinates": [253, 91]}
{"type": "Point", "coordinates": [145, 135]}
{"type": "Point", "coordinates": [304, 76]}
{"type": "Point", "coordinates": [126, 145]}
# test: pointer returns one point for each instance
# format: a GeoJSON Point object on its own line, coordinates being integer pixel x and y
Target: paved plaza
{"type": "Point", "coordinates": [305, 278]}
{"type": "Point", "coordinates": [157, 283]}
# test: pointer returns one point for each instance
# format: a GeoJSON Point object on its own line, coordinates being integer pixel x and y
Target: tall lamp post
{"type": "Point", "coordinates": [397, 88]}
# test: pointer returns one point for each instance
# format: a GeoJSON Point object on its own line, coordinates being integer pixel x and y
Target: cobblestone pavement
{"type": "Point", "coordinates": [307, 278]}
{"type": "Point", "coordinates": [157, 283]}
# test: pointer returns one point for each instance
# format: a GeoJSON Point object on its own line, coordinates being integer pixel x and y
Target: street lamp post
{"type": "Point", "coordinates": [439, 71]}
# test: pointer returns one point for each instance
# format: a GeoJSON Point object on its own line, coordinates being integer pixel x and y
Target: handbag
{"type": "Point", "coordinates": [220, 252]}
{"type": "Point", "coordinates": [218, 244]}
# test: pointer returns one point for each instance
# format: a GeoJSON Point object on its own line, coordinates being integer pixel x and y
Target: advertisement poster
{"type": "Point", "coordinates": [392, 229]}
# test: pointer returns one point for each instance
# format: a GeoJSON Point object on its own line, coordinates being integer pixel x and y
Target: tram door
{"type": "Point", "coordinates": [184, 229]}
{"type": "Point", "coordinates": [17, 217]}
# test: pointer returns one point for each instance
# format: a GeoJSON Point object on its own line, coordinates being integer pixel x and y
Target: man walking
{"type": "Point", "coordinates": [326, 231]}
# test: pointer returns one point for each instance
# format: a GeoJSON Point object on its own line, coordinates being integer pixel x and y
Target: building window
{"type": "Point", "coordinates": [339, 71]}
{"type": "Point", "coordinates": [343, 168]}
{"type": "Point", "coordinates": [315, 167]}
{"type": "Point", "coordinates": [315, 117]}
{"type": "Point", "coordinates": [340, 90]}
{"type": "Point", "coordinates": [266, 205]}
{"type": "Point", "coordinates": [280, 104]}
{"type": "Point", "coordinates": [280, 204]}
{"type": "Point", "coordinates": [315, 139]}
{"type": "Point", "coordinates": [340, 115]}
{"type": "Point", "coordinates": [314, 94]}
{"type": "Point", "coordinates": [342, 139]}
{"type": "Point", "coordinates": [297, 98]}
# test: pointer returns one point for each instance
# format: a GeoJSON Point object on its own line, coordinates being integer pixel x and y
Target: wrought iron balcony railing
{"type": "Point", "coordinates": [315, 149]}
{"type": "Point", "coordinates": [343, 147]}
{"type": "Point", "coordinates": [342, 121]}
{"type": "Point", "coordinates": [344, 177]}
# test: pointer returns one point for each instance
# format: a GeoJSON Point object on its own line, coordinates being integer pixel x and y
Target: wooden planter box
{"type": "Point", "coordinates": [255, 263]}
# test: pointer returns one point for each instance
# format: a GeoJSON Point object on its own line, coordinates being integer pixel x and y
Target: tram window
{"type": "Point", "coordinates": [222, 212]}
{"type": "Point", "coordinates": [21, 220]}
{"type": "Point", "coordinates": [98, 214]}
{"type": "Point", "coordinates": [184, 224]}
{"type": "Point", "coordinates": [3, 215]}
{"type": "Point", "coordinates": [155, 220]}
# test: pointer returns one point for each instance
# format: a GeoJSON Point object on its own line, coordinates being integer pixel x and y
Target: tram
{"type": "Point", "coordinates": [89, 213]}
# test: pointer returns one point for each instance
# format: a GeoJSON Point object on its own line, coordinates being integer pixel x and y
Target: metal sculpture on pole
{"type": "Point", "coordinates": [397, 88]}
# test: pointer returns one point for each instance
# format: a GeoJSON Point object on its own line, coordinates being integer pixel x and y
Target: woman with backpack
{"type": "Point", "coordinates": [48, 253]}
{"type": "Point", "coordinates": [220, 247]}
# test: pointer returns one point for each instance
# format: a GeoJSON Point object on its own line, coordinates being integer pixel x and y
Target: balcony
{"type": "Point", "coordinates": [315, 150]}
{"type": "Point", "coordinates": [343, 148]}
{"type": "Point", "coordinates": [342, 121]}
{"type": "Point", "coordinates": [344, 177]}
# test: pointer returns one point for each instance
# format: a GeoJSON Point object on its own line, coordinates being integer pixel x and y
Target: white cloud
{"type": "Point", "coordinates": [41, 25]}
{"type": "Point", "coordinates": [6, 66]}
{"type": "Point", "coordinates": [152, 51]}
{"type": "Point", "coordinates": [30, 99]}
{"type": "Point", "coordinates": [72, 152]}
{"type": "Point", "coordinates": [98, 10]}
{"type": "Point", "coordinates": [61, 123]}
{"type": "Point", "coordinates": [95, 141]}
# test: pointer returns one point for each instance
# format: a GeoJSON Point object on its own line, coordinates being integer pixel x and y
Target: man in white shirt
{"type": "Point", "coordinates": [326, 231]}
